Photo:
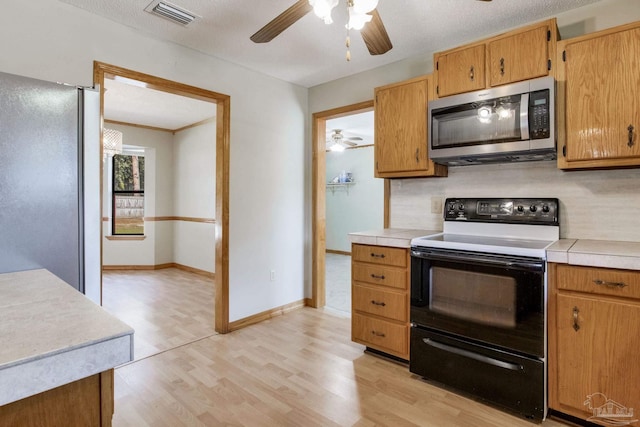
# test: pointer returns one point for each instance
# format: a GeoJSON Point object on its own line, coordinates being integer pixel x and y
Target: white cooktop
{"type": "Point", "coordinates": [507, 239]}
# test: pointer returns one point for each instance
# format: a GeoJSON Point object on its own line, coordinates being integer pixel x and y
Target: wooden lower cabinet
{"type": "Point", "coordinates": [87, 402]}
{"type": "Point", "coordinates": [380, 298]}
{"type": "Point", "coordinates": [594, 320]}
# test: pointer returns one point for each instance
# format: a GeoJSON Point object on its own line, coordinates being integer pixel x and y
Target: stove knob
{"type": "Point", "coordinates": [545, 209]}
{"type": "Point", "coordinates": [533, 208]}
{"type": "Point", "coordinates": [461, 207]}
{"type": "Point", "coordinates": [520, 208]}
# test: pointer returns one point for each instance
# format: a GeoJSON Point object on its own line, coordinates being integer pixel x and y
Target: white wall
{"type": "Point", "coordinates": [194, 152]}
{"type": "Point", "coordinates": [57, 42]}
{"type": "Point", "coordinates": [156, 248]}
{"type": "Point", "coordinates": [357, 207]}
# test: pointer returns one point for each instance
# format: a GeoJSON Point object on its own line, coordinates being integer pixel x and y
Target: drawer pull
{"type": "Point", "coordinates": [381, 303]}
{"type": "Point", "coordinates": [373, 276]}
{"type": "Point", "coordinates": [378, 334]}
{"type": "Point", "coordinates": [576, 326]}
{"type": "Point", "coordinates": [377, 255]}
{"type": "Point", "coordinates": [609, 284]}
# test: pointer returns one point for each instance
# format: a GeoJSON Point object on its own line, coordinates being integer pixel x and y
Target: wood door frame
{"type": "Point", "coordinates": [223, 128]}
{"type": "Point", "coordinates": [318, 210]}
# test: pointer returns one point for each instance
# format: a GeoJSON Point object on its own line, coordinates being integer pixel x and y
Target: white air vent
{"type": "Point", "coordinates": [171, 12]}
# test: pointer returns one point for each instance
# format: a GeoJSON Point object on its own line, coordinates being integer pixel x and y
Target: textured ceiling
{"type": "Point", "coordinates": [309, 52]}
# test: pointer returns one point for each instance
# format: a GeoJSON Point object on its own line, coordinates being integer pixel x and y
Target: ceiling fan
{"type": "Point", "coordinates": [367, 20]}
{"type": "Point", "coordinates": [337, 141]}
{"type": "Point", "coordinates": [373, 33]}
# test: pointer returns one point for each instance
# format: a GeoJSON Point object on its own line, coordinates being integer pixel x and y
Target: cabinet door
{"type": "Point", "coordinates": [401, 128]}
{"type": "Point", "coordinates": [598, 359]}
{"type": "Point", "coordinates": [602, 88]}
{"type": "Point", "coordinates": [461, 71]}
{"type": "Point", "coordinates": [519, 57]}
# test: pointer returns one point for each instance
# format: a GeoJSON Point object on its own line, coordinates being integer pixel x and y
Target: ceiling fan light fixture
{"type": "Point", "coordinates": [364, 6]}
{"type": "Point", "coordinates": [337, 147]}
{"type": "Point", "coordinates": [323, 8]}
{"type": "Point", "coordinates": [357, 20]}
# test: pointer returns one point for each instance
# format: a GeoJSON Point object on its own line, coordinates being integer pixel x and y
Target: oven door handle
{"type": "Point", "coordinates": [484, 259]}
{"type": "Point", "coordinates": [474, 356]}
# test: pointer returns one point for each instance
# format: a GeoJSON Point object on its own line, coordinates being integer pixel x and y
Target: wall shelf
{"type": "Point", "coordinates": [333, 186]}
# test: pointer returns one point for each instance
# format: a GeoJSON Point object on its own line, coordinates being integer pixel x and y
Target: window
{"type": "Point", "coordinates": [127, 201]}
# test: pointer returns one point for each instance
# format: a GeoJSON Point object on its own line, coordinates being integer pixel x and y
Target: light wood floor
{"type": "Point", "coordinates": [167, 308]}
{"type": "Point", "coordinates": [300, 369]}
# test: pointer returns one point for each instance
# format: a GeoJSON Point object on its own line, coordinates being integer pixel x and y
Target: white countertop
{"type": "Point", "coordinates": [51, 335]}
{"type": "Point", "coordinates": [596, 253]}
{"type": "Point", "coordinates": [395, 237]}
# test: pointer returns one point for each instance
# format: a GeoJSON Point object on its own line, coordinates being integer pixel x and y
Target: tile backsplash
{"type": "Point", "coordinates": [594, 204]}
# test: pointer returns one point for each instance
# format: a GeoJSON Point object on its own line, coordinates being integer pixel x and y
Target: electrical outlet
{"type": "Point", "coordinates": [436, 205]}
{"type": "Point", "coordinates": [272, 275]}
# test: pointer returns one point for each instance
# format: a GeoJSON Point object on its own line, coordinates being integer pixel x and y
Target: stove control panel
{"type": "Point", "coordinates": [513, 211]}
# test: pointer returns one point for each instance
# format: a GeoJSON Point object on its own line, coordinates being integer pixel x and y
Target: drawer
{"type": "Point", "coordinates": [378, 275]}
{"type": "Point", "coordinates": [382, 255]}
{"type": "Point", "coordinates": [603, 281]}
{"type": "Point", "coordinates": [392, 305]}
{"type": "Point", "coordinates": [382, 335]}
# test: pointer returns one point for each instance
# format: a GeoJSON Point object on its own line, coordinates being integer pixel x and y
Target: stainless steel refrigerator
{"type": "Point", "coordinates": [50, 180]}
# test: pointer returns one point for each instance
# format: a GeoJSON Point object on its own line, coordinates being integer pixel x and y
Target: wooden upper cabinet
{"type": "Point", "coordinates": [400, 112]}
{"type": "Point", "coordinates": [461, 70]}
{"type": "Point", "coordinates": [521, 54]}
{"type": "Point", "coordinates": [600, 75]}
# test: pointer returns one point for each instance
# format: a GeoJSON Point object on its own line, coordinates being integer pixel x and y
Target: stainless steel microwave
{"type": "Point", "coordinates": [508, 123]}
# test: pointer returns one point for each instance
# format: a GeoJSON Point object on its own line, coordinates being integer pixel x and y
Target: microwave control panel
{"type": "Point", "coordinates": [539, 112]}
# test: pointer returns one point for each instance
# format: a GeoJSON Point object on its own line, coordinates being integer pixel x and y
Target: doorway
{"type": "Point", "coordinates": [319, 180]}
{"type": "Point", "coordinates": [104, 71]}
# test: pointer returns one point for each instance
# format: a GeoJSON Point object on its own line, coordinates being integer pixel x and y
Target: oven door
{"type": "Point", "coordinates": [492, 299]}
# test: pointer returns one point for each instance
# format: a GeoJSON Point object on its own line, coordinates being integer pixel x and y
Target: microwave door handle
{"type": "Point", "coordinates": [524, 116]}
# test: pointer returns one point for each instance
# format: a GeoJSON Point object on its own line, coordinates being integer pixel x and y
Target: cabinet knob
{"type": "Point", "coordinates": [630, 142]}
{"type": "Point", "coordinates": [378, 334]}
{"type": "Point", "coordinates": [472, 73]}
{"type": "Point", "coordinates": [380, 303]}
{"type": "Point", "coordinates": [377, 255]}
{"type": "Point", "coordinates": [576, 326]}
{"type": "Point", "coordinates": [502, 66]}
{"type": "Point", "coordinates": [375, 276]}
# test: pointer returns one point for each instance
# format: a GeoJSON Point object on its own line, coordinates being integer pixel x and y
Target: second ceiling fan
{"type": "Point", "coordinates": [373, 33]}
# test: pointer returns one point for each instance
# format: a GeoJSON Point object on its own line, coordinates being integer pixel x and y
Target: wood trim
{"type": "Point", "coordinates": [223, 129]}
{"type": "Point", "coordinates": [266, 315]}
{"type": "Point", "coordinates": [552, 343]}
{"type": "Point", "coordinates": [125, 237]}
{"type": "Point", "coordinates": [101, 71]}
{"type": "Point", "coordinates": [308, 302]}
{"type": "Point", "coordinates": [332, 251]}
{"type": "Point", "coordinates": [172, 218]}
{"type": "Point", "coordinates": [180, 218]}
{"type": "Point", "coordinates": [318, 181]}
{"type": "Point", "coordinates": [115, 122]}
{"type": "Point", "coordinates": [107, 405]}
{"type": "Point", "coordinates": [387, 203]}
{"type": "Point", "coordinates": [160, 267]}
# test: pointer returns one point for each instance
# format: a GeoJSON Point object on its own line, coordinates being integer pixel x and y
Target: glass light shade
{"type": "Point", "coordinates": [357, 20]}
{"type": "Point", "coordinates": [337, 147]}
{"type": "Point", "coordinates": [323, 8]}
{"type": "Point", "coordinates": [364, 6]}
{"type": "Point", "coordinates": [111, 142]}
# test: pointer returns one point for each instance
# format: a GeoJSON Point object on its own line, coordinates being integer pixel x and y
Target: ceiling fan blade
{"type": "Point", "coordinates": [349, 143]}
{"type": "Point", "coordinates": [354, 138]}
{"type": "Point", "coordinates": [282, 22]}
{"type": "Point", "coordinates": [375, 35]}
